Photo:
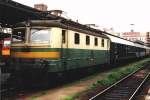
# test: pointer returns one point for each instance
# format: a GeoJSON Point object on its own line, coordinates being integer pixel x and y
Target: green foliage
{"type": "Point", "coordinates": [71, 97]}
{"type": "Point", "coordinates": [118, 74]}
{"type": "Point", "coordinates": [37, 95]}
{"type": "Point", "coordinates": [68, 98]}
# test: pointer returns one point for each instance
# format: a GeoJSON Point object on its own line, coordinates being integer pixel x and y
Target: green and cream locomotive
{"type": "Point", "coordinates": [54, 46]}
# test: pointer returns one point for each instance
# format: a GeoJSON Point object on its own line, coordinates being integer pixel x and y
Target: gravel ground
{"type": "Point", "coordinates": [66, 90]}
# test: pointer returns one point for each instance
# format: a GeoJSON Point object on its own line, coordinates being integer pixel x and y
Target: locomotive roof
{"type": "Point", "coordinates": [63, 24]}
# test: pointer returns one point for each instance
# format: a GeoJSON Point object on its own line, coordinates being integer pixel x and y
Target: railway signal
{"type": "Point", "coordinates": [6, 47]}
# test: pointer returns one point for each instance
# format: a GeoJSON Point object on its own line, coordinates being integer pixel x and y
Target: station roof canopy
{"type": "Point", "coordinates": [12, 12]}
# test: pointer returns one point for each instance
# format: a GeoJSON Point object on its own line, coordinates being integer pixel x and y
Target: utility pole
{"type": "Point", "coordinates": [132, 27]}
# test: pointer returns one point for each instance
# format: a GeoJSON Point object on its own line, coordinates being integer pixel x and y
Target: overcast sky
{"type": "Point", "coordinates": [118, 14]}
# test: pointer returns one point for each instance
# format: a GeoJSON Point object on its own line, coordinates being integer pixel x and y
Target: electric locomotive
{"type": "Point", "coordinates": [50, 47]}
{"type": "Point", "coordinates": [55, 46]}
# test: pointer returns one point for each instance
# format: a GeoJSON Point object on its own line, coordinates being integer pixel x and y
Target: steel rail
{"type": "Point", "coordinates": [105, 90]}
{"type": "Point", "coordinates": [136, 91]}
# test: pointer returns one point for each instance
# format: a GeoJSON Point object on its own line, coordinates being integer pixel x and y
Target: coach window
{"type": "Point", "coordinates": [102, 43]}
{"type": "Point", "coordinates": [87, 40]}
{"type": "Point", "coordinates": [96, 42]}
{"type": "Point", "coordinates": [77, 38]}
{"type": "Point", "coordinates": [63, 36]}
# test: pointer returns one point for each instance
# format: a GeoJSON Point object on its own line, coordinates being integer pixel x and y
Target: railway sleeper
{"type": "Point", "coordinates": [111, 98]}
{"type": "Point", "coordinates": [118, 93]}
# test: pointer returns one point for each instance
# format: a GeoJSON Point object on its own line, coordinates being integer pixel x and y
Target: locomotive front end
{"type": "Point", "coordinates": [32, 50]}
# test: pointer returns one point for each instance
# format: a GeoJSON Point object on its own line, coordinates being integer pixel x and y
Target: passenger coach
{"type": "Point", "coordinates": [123, 50]}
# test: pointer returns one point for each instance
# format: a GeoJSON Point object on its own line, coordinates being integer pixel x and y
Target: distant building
{"type": "Point", "coordinates": [137, 36]}
{"type": "Point", "coordinates": [41, 7]}
{"type": "Point", "coordinates": [148, 38]}
{"type": "Point", "coordinates": [133, 36]}
{"type": "Point", "coordinates": [6, 30]}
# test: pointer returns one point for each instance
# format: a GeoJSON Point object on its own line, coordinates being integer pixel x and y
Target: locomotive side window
{"type": "Point", "coordinates": [96, 41]}
{"type": "Point", "coordinates": [87, 40]}
{"type": "Point", "coordinates": [19, 35]}
{"type": "Point", "coordinates": [102, 43]}
{"type": "Point", "coordinates": [108, 44]}
{"type": "Point", "coordinates": [77, 38]}
{"type": "Point", "coordinates": [63, 36]}
{"type": "Point", "coordinates": [40, 35]}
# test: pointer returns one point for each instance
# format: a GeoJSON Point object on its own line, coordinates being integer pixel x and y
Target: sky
{"type": "Point", "coordinates": [116, 14]}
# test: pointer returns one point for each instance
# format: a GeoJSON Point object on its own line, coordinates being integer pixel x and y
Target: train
{"type": "Point", "coordinates": [47, 47]}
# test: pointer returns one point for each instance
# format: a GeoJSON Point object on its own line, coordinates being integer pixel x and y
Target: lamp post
{"type": "Point", "coordinates": [132, 27]}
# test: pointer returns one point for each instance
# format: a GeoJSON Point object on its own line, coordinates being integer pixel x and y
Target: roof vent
{"type": "Point", "coordinates": [56, 12]}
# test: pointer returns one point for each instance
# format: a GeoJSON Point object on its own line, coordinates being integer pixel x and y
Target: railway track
{"type": "Point", "coordinates": [126, 88]}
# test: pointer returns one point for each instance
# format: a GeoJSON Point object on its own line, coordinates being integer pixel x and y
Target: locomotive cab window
{"type": "Point", "coordinates": [19, 34]}
{"type": "Point", "coordinates": [108, 43]}
{"type": "Point", "coordinates": [63, 36]}
{"type": "Point", "coordinates": [102, 43]}
{"type": "Point", "coordinates": [77, 38]}
{"type": "Point", "coordinates": [87, 40]}
{"type": "Point", "coordinates": [40, 35]}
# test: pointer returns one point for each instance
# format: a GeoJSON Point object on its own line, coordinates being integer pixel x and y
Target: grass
{"type": "Point", "coordinates": [37, 95]}
{"type": "Point", "coordinates": [112, 77]}
{"type": "Point", "coordinates": [118, 74]}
